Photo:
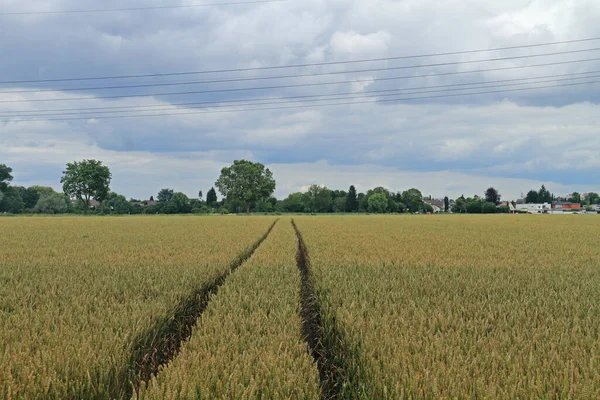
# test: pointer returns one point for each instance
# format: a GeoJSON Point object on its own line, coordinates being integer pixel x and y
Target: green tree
{"type": "Point", "coordinates": [293, 203]}
{"type": "Point", "coordinates": [446, 204]}
{"type": "Point", "coordinates": [413, 199]}
{"type": "Point", "coordinates": [317, 199]}
{"type": "Point", "coordinates": [33, 194]}
{"type": "Point", "coordinates": [351, 200]}
{"type": "Point", "coordinates": [339, 205]}
{"type": "Point", "coordinates": [575, 198]}
{"type": "Point", "coordinates": [200, 195]}
{"type": "Point", "coordinates": [86, 180]}
{"type": "Point", "coordinates": [532, 197]}
{"type": "Point", "coordinates": [165, 195]}
{"type": "Point", "coordinates": [544, 196]}
{"type": "Point", "coordinates": [247, 182]}
{"type": "Point", "coordinates": [475, 205]}
{"type": "Point", "coordinates": [492, 196]}
{"type": "Point", "coordinates": [53, 203]}
{"type": "Point", "coordinates": [180, 204]}
{"type": "Point", "coordinates": [12, 201]}
{"type": "Point", "coordinates": [118, 203]}
{"type": "Point", "coordinates": [378, 203]}
{"type": "Point", "coordinates": [5, 177]}
{"type": "Point", "coordinates": [593, 198]}
{"type": "Point", "coordinates": [489, 208]}
{"type": "Point", "coordinates": [211, 197]}
{"type": "Point", "coordinates": [460, 205]}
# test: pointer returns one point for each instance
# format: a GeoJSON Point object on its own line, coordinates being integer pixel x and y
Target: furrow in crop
{"type": "Point", "coordinates": [159, 345]}
{"type": "Point", "coordinates": [340, 370]}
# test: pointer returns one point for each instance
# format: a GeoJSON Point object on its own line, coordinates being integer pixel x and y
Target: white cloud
{"type": "Point", "coordinates": [353, 43]}
{"type": "Point", "coordinates": [540, 134]}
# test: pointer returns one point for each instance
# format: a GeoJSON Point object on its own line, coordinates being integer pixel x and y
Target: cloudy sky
{"type": "Point", "coordinates": [399, 122]}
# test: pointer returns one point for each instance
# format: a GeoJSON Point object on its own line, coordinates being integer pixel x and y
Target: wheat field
{"type": "Point", "coordinates": [444, 307]}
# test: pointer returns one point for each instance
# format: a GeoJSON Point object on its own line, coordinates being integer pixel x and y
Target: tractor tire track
{"type": "Point", "coordinates": [160, 344]}
{"type": "Point", "coordinates": [338, 361]}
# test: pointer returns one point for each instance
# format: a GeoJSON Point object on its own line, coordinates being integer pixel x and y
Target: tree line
{"type": "Point", "coordinates": [244, 186]}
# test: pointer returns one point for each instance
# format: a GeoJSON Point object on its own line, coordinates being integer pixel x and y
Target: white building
{"type": "Point", "coordinates": [532, 208]}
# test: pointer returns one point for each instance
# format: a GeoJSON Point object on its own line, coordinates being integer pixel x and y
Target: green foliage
{"type": "Point", "coordinates": [118, 204]}
{"type": "Point", "coordinates": [593, 198]}
{"type": "Point", "coordinates": [293, 203]}
{"type": "Point", "coordinates": [182, 203]}
{"type": "Point", "coordinates": [532, 197]}
{"type": "Point", "coordinates": [53, 203]}
{"type": "Point", "coordinates": [446, 204]}
{"type": "Point", "coordinates": [339, 204]}
{"type": "Point", "coordinates": [86, 180]}
{"type": "Point", "coordinates": [246, 181]}
{"type": "Point", "coordinates": [378, 203]}
{"type": "Point", "coordinates": [413, 199]}
{"type": "Point", "coordinates": [489, 208]}
{"type": "Point", "coordinates": [427, 208]}
{"type": "Point", "coordinates": [165, 195]}
{"type": "Point", "coordinates": [33, 194]}
{"type": "Point", "coordinates": [12, 202]}
{"type": "Point", "coordinates": [351, 200]}
{"type": "Point", "coordinates": [492, 196]}
{"type": "Point", "coordinates": [460, 205]}
{"type": "Point", "coordinates": [575, 198]}
{"type": "Point", "coordinates": [317, 199]}
{"type": "Point", "coordinates": [211, 197]}
{"type": "Point", "coordinates": [5, 177]}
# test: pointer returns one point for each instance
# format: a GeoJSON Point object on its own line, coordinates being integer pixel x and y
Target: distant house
{"type": "Point", "coordinates": [566, 206]}
{"type": "Point", "coordinates": [533, 208]}
{"type": "Point", "coordinates": [436, 204]}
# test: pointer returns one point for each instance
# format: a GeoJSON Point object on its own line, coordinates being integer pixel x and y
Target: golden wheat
{"type": "Point", "coordinates": [75, 293]}
{"type": "Point", "coordinates": [248, 343]}
{"type": "Point", "coordinates": [465, 307]}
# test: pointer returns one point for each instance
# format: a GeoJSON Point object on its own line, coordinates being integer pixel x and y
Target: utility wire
{"type": "Point", "coordinates": [303, 106]}
{"type": "Point", "coordinates": [307, 98]}
{"type": "Point", "coordinates": [299, 75]}
{"type": "Point", "coordinates": [233, 3]}
{"type": "Point", "coordinates": [295, 65]}
{"type": "Point", "coordinates": [300, 84]}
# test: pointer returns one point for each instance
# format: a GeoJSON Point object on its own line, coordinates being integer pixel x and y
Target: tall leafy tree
{"type": "Point", "coordinates": [165, 195]}
{"type": "Point", "coordinates": [544, 195]}
{"type": "Point", "coordinates": [413, 199]}
{"type": "Point", "coordinates": [317, 199]}
{"type": "Point", "coordinates": [247, 182]}
{"type": "Point", "coordinates": [575, 198]}
{"type": "Point", "coordinates": [53, 203]}
{"type": "Point", "coordinates": [446, 204]}
{"type": "Point", "coordinates": [181, 203]}
{"type": "Point", "coordinates": [12, 201]}
{"type": "Point", "coordinates": [378, 203]}
{"type": "Point", "coordinates": [593, 198]}
{"type": "Point", "coordinates": [5, 177]}
{"type": "Point", "coordinates": [492, 196]}
{"type": "Point", "coordinates": [86, 180]}
{"type": "Point", "coordinates": [532, 197]}
{"type": "Point", "coordinates": [211, 197]}
{"type": "Point", "coordinates": [351, 200]}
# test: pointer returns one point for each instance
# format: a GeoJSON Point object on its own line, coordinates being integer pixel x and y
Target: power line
{"type": "Point", "coordinates": [233, 3]}
{"type": "Point", "coordinates": [304, 106]}
{"type": "Point", "coordinates": [336, 96]}
{"type": "Point", "coordinates": [294, 65]}
{"type": "Point", "coordinates": [300, 84]}
{"type": "Point", "coordinates": [300, 75]}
